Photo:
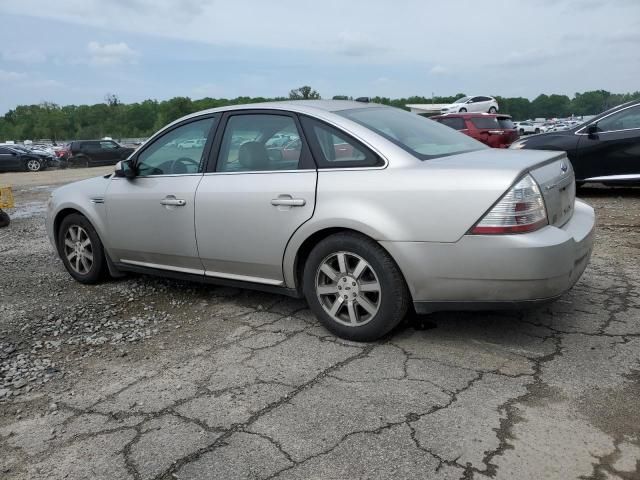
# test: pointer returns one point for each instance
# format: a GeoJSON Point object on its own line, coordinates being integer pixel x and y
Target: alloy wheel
{"type": "Point", "coordinates": [78, 249]}
{"type": "Point", "coordinates": [33, 165]}
{"type": "Point", "coordinates": [348, 289]}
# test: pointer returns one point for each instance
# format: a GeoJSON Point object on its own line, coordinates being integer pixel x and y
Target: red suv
{"type": "Point", "coordinates": [497, 131]}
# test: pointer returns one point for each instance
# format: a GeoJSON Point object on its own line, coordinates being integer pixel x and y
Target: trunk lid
{"type": "Point", "coordinates": [557, 184]}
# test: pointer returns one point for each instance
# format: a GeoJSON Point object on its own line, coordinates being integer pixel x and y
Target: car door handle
{"type": "Point", "coordinates": [288, 202]}
{"type": "Point", "coordinates": [173, 202]}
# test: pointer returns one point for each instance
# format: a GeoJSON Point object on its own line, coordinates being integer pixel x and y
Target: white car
{"type": "Point", "coordinates": [472, 104]}
{"type": "Point", "coordinates": [527, 127]}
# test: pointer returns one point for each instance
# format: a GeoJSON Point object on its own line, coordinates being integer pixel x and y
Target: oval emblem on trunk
{"type": "Point", "coordinates": [564, 167]}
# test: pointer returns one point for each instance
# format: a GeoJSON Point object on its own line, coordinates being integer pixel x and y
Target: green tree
{"type": "Point", "coordinates": [304, 93]}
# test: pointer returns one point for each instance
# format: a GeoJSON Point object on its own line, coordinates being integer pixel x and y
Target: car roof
{"type": "Point", "coordinates": [310, 107]}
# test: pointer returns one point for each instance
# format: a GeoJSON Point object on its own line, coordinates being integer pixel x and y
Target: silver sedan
{"type": "Point", "coordinates": [365, 210]}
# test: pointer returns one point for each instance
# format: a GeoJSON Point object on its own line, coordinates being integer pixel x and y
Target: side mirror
{"type": "Point", "coordinates": [592, 130]}
{"type": "Point", "coordinates": [124, 169]}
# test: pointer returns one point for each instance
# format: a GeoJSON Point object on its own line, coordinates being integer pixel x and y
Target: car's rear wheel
{"type": "Point", "coordinates": [493, 110]}
{"type": "Point", "coordinates": [522, 131]}
{"type": "Point", "coordinates": [537, 130]}
{"type": "Point", "coordinates": [81, 249]}
{"type": "Point", "coordinates": [33, 165]}
{"type": "Point", "coordinates": [462, 110]}
{"type": "Point", "coordinates": [354, 287]}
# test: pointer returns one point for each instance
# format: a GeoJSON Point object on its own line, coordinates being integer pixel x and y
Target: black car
{"type": "Point", "coordinates": [15, 159]}
{"type": "Point", "coordinates": [89, 153]}
{"type": "Point", "coordinates": [48, 160]}
{"type": "Point", "coordinates": [606, 149]}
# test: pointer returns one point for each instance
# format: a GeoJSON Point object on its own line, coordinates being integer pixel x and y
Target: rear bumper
{"type": "Point", "coordinates": [491, 271]}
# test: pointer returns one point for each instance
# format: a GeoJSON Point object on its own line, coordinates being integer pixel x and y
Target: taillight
{"type": "Point", "coordinates": [520, 210]}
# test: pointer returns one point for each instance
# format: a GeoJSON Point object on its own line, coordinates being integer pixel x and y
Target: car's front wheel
{"type": "Point", "coordinates": [33, 165]}
{"type": "Point", "coordinates": [81, 249]}
{"type": "Point", "coordinates": [354, 287]}
{"type": "Point", "coordinates": [462, 110]}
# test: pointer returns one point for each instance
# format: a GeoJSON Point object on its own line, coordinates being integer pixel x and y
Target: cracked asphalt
{"type": "Point", "coordinates": [146, 378]}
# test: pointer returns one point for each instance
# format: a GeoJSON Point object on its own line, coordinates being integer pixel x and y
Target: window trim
{"type": "Point", "coordinates": [305, 163]}
{"type": "Point", "coordinates": [318, 154]}
{"type": "Point", "coordinates": [161, 133]}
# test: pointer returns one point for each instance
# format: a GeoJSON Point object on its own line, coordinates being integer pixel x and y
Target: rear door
{"type": "Point", "coordinates": [613, 152]}
{"type": "Point", "coordinates": [254, 196]}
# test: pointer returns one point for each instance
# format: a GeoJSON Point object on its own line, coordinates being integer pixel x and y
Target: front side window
{"type": "Point", "coordinates": [624, 120]}
{"type": "Point", "coordinates": [259, 142]}
{"type": "Point", "coordinates": [463, 100]}
{"type": "Point", "coordinates": [423, 138]}
{"type": "Point", "coordinates": [179, 151]}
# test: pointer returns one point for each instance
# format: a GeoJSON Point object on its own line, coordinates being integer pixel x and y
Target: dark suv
{"type": "Point", "coordinates": [497, 131]}
{"type": "Point", "coordinates": [88, 153]}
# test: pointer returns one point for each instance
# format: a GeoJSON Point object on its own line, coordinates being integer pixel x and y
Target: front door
{"type": "Point", "coordinates": [255, 197]}
{"type": "Point", "coordinates": [150, 217]}
{"type": "Point", "coordinates": [613, 152]}
{"type": "Point", "coordinates": [9, 159]}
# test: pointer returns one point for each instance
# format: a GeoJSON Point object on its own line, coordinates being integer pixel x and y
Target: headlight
{"type": "Point", "coordinates": [517, 145]}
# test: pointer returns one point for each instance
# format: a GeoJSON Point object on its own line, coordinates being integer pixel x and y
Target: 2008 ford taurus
{"type": "Point", "coordinates": [364, 210]}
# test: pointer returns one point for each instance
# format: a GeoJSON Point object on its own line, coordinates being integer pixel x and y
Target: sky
{"type": "Point", "coordinates": [77, 51]}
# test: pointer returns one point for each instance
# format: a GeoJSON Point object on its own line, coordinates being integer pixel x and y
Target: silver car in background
{"type": "Point", "coordinates": [365, 210]}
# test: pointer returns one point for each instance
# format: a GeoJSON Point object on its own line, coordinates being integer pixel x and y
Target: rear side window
{"type": "Point", "coordinates": [485, 122]}
{"type": "Point", "coordinates": [455, 122]}
{"type": "Point", "coordinates": [333, 148]}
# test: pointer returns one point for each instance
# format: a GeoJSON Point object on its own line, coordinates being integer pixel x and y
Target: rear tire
{"type": "Point", "coordinates": [81, 250]}
{"type": "Point", "coordinates": [354, 287]}
{"type": "Point", "coordinates": [493, 110]}
{"type": "Point", "coordinates": [537, 130]}
{"type": "Point", "coordinates": [522, 131]}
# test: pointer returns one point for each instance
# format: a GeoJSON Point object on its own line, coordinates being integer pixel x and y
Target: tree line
{"type": "Point", "coordinates": [119, 120]}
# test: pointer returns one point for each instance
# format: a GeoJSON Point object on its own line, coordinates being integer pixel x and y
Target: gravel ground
{"type": "Point", "coordinates": [148, 378]}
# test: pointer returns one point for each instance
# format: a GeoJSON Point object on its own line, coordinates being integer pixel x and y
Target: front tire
{"type": "Point", "coordinates": [354, 287]}
{"type": "Point", "coordinates": [81, 249]}
{"type": "Point", "coordinates": [537, 130]}
{"type": "Point", "coordinates": [462, 110]}
{"type": "Point", "coordinates": [33, 165]}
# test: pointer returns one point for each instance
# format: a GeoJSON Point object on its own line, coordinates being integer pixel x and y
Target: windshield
{"type": "Point", "coordinates": [462, 100]}
{"type": "Point", "coordinates": [422, 137]}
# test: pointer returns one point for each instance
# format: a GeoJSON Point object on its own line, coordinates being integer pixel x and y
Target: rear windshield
{"type": "Point", "coordinates": [506, 123]}
{"type": "Point", "coordinates": [485, 122]}
{"type": "Point", "coordinates": [453, 122]}
{"type": "Point", "coordinates": [423, 138]}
